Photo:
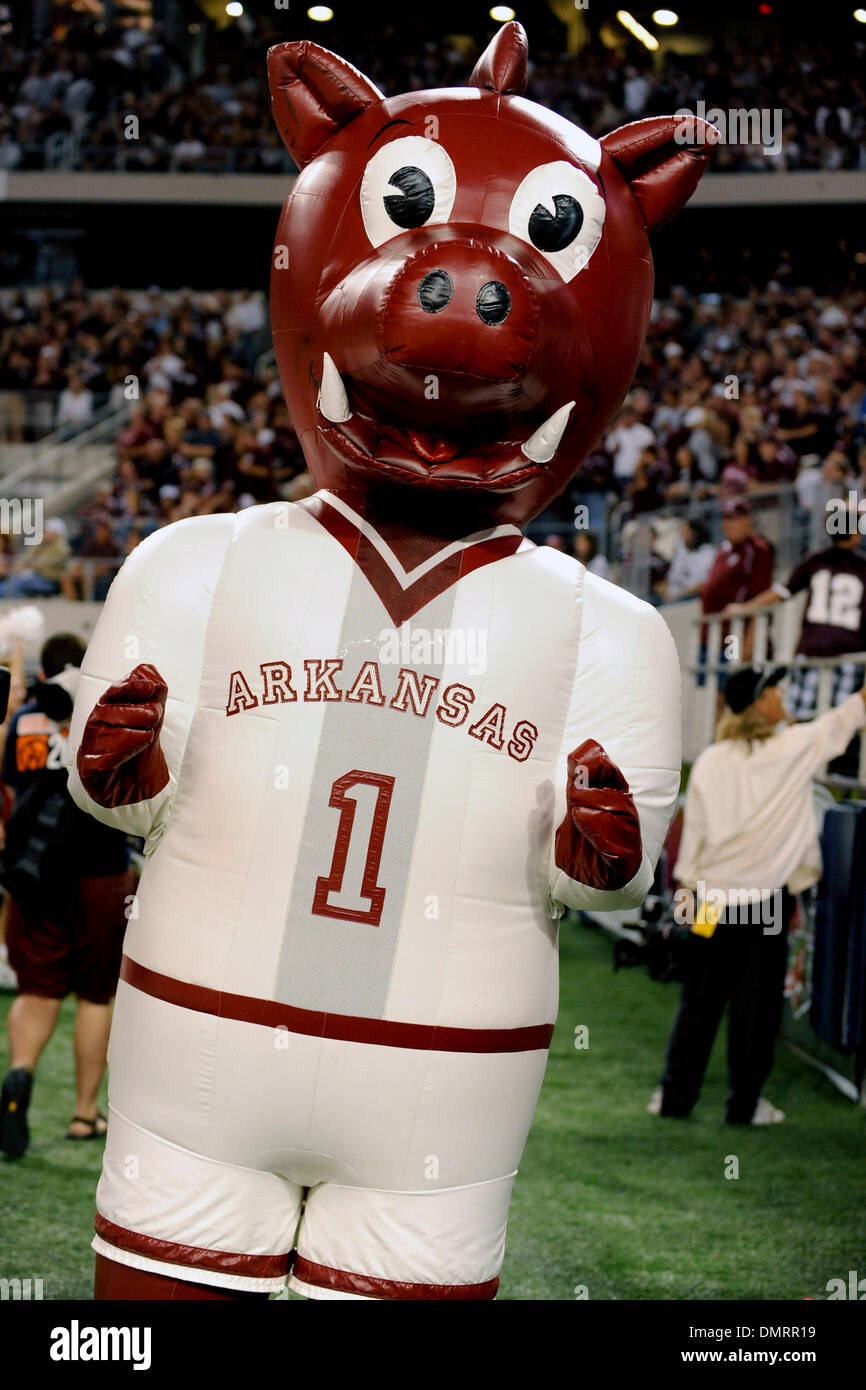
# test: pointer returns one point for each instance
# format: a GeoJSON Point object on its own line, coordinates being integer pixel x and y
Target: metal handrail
{"type": "Point", "coordinates": [711, 667]}
{"type": "Point", "coordinates": [857, 658]}
{"type": "Point", "coordinates": [775, 504]}
{"type": "Point", "coordinates": [54, 447]}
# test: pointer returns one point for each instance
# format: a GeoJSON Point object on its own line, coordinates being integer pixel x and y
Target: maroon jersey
{"type": "Point", "coordinates": [834, 619]}
{"type": "Point", "coordinates": [739, 572]}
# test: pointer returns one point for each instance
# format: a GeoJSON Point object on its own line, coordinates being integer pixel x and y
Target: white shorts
{"type": "Point", "coordinates": [348, 1170]}
{"type": "Point", "coordinates": [252, 1230]}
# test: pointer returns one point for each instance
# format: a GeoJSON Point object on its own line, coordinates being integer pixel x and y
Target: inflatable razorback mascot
{"type": "Point", "coordinates": [377, 741]}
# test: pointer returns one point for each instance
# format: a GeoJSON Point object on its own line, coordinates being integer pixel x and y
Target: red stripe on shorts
{"type": "Point", "coordinates": [270, 1013]}
{"type": "Point", "coordinates": [323, 1277]}
{"type": "Point", "coordinates": [191, 1256]}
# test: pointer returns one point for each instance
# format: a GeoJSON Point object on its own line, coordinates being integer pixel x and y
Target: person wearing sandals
{"type": "Point", "coordinates": [67, 881]}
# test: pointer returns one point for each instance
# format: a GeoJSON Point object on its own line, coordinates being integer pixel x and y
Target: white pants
{"type": "Point", "coordinates": [244, 1156]}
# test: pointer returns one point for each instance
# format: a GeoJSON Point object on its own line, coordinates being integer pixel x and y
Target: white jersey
{"type": "Point", "coordinates": [368, 767]}
{"type": "Point", "coordinates": [341, 973]}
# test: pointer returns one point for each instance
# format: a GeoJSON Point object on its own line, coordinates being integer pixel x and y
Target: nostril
{"type": "Point", "coordinates": [493, 303]}
{"type": "Point", "coordinates": [434, 291]}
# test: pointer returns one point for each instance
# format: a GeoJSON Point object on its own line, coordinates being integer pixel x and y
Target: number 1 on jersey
{"type": "Point", "coordinates": [352, 880]}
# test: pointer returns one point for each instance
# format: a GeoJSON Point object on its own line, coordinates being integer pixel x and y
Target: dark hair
{"type": "Point", "coordinates": [698, 530]}
{"type": "Point", "coordinates": [62, 650]}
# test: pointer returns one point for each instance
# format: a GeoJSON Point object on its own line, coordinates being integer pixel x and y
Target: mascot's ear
{"type": "Point", "coordinates": [313, 94]}
{"type": "Point", "coordinates": [502, 65]}
{"type": "Point", "coordinates": [662, 160]}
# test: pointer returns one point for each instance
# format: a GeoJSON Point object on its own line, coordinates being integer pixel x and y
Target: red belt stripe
{"type": "Point", "coordinates": [323, 1277]}
{"type": "Point", "coordinates": [192, 1256]}
{"type": "Point", "coordinates": [270, 1013]}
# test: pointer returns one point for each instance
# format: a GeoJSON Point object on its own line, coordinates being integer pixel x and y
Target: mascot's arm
{"type": "Point", "coordinates": [140, 677]}
{"type": "Point", "coordinates": [620, 769]}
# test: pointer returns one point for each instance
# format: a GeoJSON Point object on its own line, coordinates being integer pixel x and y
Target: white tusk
{"type": "Point", "coordinates": [333, 401]}
{"type": "Point", "coordinates": [543, 444]}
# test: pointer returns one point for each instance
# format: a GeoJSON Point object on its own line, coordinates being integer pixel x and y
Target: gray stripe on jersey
{"type": "Point", "coordinates": [327, 963]}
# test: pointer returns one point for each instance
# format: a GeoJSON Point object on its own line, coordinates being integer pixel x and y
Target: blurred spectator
{"type": "Point", "coordinates": [798, 425]}
{"type": "Point", "coordinates": [41, 572]}
{"type": "Point", "coordinates": [68, 881]}
{"type": "Point", "coordinates": [743, 563]}
{"type": "Point", "coordinates": [587, 552]}
{"type": "Point", "coordinates": [648, 485]}
{"type": "Point", "coordinates": [85, 577]}
{"type": "Point", "coordinates": [691, 564]}
{"type": "Point", "coordinates": [701, 442]}
{"type": "Point", "coordinates": [834, 616]}
{"type": "Point", "coordinates": [75, 402]}
{"type": "Point", "coordinates": [742, 568]}
{"type": "Point", "coordinates": [777, 459]}
{"type": "Point", "coordinates": [626, 443]}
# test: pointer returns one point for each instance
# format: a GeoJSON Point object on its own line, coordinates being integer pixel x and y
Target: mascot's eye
{"type": "Point", "coordinates": [408, 183]}
{"type": "Point", "coordinates": [417, 201]}
{"type": "Point", "coordinates": [560, 212]}
{"type": "Point", "coordinates": [555, 233]}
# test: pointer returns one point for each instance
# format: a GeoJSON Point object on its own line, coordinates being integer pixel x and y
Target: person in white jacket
{"type": "Point", "coordinates": [750, 841]}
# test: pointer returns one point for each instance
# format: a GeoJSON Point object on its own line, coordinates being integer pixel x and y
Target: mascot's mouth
{"type": "Point", "coordinates": [411, 456]}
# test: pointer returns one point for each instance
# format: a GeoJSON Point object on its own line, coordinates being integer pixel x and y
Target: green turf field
{"type": "Point", "coordinates": [608, 1198]}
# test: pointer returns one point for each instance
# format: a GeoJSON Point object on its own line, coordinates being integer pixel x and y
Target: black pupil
{"type": "Point", "coordinates": [555, 233]}
{"type": "Point", "coordinates": [417, 201]}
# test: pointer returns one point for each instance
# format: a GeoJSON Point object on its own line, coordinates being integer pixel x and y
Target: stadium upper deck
{"type": "Point", "coordinates": [198, 91]}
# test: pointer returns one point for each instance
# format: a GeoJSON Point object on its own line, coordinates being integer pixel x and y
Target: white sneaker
{"type": "Point", "coordinates": [767, 1114]}
{"type": "Point", "coordinates": [655, 1105]}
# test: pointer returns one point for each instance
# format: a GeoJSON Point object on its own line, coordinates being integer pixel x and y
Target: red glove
{"type": "Point", "coordinates": [598, 842]}
{"type": "Point", "coordinates": [120, 760]}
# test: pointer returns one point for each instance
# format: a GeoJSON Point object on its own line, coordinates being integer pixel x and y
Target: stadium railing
{"type": "Point", "coordinates": [765, 639]}
{"type": "Point", "coordinates": [30, 416]}
{"type": "Point", "coordinates": [26, 415]}
{"type": "Point", "coordinates": [633, 545]}
{"type": "Point", "coordinates": [777, 514]}
{"type": "Point", "coordinates": [53, 461]}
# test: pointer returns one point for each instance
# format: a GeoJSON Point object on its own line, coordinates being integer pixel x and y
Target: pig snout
{"type": "Point", "coordinates": [447, 334]}
{"type": "Point", "coordinates": [461, 307]}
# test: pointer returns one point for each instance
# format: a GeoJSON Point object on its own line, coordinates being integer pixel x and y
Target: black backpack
{"type": "Point", "coordinates": [38, 862]}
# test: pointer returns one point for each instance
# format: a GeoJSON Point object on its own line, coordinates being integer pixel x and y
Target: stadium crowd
{"type": "Point", "coordinates": [85, 78]}
{"type": "Point", "coordinates": [207, 430]}
{"type": "Point", "coordinates": [734, 396]}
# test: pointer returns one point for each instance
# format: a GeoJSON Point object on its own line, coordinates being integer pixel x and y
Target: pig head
{"type": "Point", "coordinates": [461, 279]}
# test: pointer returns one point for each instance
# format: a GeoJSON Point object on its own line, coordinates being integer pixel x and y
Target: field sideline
{"type": "Point", "coordinates": [608, 1198]}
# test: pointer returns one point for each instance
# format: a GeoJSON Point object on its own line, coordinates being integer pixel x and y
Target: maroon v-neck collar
{"type": "Point", "coordinates": [404, 592]}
